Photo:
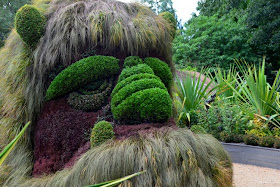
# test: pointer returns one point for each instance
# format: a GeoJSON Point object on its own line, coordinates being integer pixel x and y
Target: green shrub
{"type": "Point", "coordinates": [141, 68]}
{"type": "Point", "coordinates": [81, 73]}
{"type": "Point", "coordinates": [134, 87]}
{"type": "Point", "coordinates": [198, 129]}
{"type": "Point", "coordinates": [29, 24]}
{"type": "Point", "coordinates": [132, 61]}
{"type": "Point", "coordinates": [149, 105]}
{"type": "Point", "coordinates": [231, 138]}
{"type": "Point", "coordinates": [251, 139]}
{"type": "Point", "coordinates": [132, 78]}
{"type": "Point", "coordinates": [277, 143]}
{"type": "Point", "coordinates": [161, 69]}
{"type": "Point", "coordinates": [171, 20]}
{"type": "Point", "coordinates": [267, 141]}
{"type": "Point", "coordinates": [90, 100]}
{"type": "Point", "coordinates": [101, 132]}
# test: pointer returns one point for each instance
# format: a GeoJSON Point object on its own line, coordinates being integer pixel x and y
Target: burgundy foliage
{"type": "Point", "coordinates": [59, 133]}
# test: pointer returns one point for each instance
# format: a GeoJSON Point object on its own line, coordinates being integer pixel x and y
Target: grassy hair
{"type": "Point", "coordinates": [171, 158]}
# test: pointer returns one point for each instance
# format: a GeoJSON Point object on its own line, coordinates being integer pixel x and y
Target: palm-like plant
{"type": "Point", "coordinates": [254, 88]}
{"type": "Point", "coordinates": [191, 92]}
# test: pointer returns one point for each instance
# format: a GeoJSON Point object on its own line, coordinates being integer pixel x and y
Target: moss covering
{"type": "Point", "coordinates": [132, 61]}
{"type": "Point", "coordinates": [172, 158]}
{"type": "Point", "coordinates": [90, 100]}
{"type": "Point", "coordinates": [171, 20]}
{"type": "Point", "coordinates": [141, 68]}
{"type": "Point", "coordinates": [160, 69]}
{"type": "Point", "coordinates": [101, 132]}
{"type": "Point", "coordinates": [81, 73]}
{"type": "Point", "coordinates": [30, 24]}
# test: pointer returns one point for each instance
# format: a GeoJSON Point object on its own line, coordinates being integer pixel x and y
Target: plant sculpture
{"type": "Point", "coordinates": [69, 64]}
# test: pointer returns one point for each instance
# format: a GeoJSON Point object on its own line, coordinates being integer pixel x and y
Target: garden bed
{"type": "Point", "coordinates": [253, 155]}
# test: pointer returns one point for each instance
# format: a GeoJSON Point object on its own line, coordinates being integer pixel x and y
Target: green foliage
{"type": "Point", "coordinates": [198, 129]}
{"type": "Point", "coordinates": [8, 9]}
{"type": "Point", "coordinates": [255, 89]}
{"type": "Point", "coordinates": [81, 73]}
{"type": "Point", "coordinates": [264, 23]}
{"type": "Point", "coordinates": [171, 20]}
{"type": "Point", "coordinates": [132, 78]}
{"type": "Point", "coordinates": [101, 132]}
{"type": "Point", "coordinates": [117, 181]}
{"type": "Point", "coordinates": [4, 154]}
{"type": "Point", "coordinates": [90, 100]}
{"type": "Point", "coordinates": [227, 116]}
{"type": "Point", "coordinates": [230, 137]}
{"type": "Point", "coordinates": [141, 68]}
{"type": "Point", "coordinates": [213, 41]}
{"type": "Point", "coordinates": [134, 87]}
{"type": "Point", "coordinates": [132, 61]}
{"type": "Point", "coordinates": [267, 141]}
{"type": "Point", "coordinates": [251, 139]}
{"type": "Point", "coordinates": [29, 24]}
{"type": "Point", "coordinates": [151, 105]}
{"type": "Point", "coordinates": [161, 69]}
{"type": "Point", "coordinates": [277, 143]}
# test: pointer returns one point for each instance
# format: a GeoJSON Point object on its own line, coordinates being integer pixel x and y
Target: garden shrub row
{"type": "Point", "coordinates": [82, 73]}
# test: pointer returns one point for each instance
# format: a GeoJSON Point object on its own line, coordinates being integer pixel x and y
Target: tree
{"type": "Point", "coordinates": [264, 21]}
{"type": "Point", "coordinates": [210, 41]}
{"type": "Point", "coordinates": [8, 9]}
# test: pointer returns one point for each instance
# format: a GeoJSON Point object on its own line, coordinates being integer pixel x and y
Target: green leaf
{"type": "Point", "coordinates": [11, 145]}
{"type": "Point", "coordinates": [117, 181]}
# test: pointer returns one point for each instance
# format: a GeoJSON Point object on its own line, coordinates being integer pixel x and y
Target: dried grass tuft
{"type": "Point", "coordinates": [171, 158]}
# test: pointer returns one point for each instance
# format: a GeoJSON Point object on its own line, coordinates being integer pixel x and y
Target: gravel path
{"type": "Point", "coordinates": [253, 176]}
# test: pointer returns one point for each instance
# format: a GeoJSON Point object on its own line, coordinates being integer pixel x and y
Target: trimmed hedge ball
{"type": "Point", "coordinates": [132, 61]}
{"type": "Point", "coordinates": [148, 105]}
{"type": "Point", "coordinates": [132, 78]}
{"type": "Point", "coordinates": [30, 24]}
{"type": "Point", "coordinates": [141, 68]}
{"type": "Point", "coordinates": [101, 132]}
{"type": "Point", "coordinates": [160, 69]}
{"type": "Point", "coordinates": [171, 20]}
{"type": "Point", "coordinates": [81, 73]}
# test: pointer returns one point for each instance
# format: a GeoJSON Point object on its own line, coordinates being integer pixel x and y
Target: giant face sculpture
{"type": "Point", "coordinates": [72, 63]}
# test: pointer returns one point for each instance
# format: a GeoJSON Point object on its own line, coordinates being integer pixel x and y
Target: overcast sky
{"type": "Point", "coordinates": [184, 8]}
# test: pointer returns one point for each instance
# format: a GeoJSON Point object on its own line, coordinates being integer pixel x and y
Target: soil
{"type": "Point", "coordinates": [253, 176]}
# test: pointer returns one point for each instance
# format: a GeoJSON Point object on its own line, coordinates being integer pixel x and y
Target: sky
{"type": "Point", "coordinates": [184, 8]}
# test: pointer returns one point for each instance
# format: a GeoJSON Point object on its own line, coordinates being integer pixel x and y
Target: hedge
{"type": "Point", "coordinates": [132, 61]}
{"type": "Point", "coordinates": [141, 68]}
{"type": "Point", "coordinates": [101, 132]}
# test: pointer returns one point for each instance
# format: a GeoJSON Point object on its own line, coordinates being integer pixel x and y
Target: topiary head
{"type": "Point", "coordinates": [101, 132]}
{"type": "Point", "coordinates": [30, 23]}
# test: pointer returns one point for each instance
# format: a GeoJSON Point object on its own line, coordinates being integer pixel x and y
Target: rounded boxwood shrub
{"type": "Point", "coordinates": [101, 132]}
{"type": "Point", "coordinates": [149, 105]}
{"type": "Point", "coordinates": [161, 69]}
{"type": "Point", "coordinates": [135, 86]}
{"type": "Point", "coordinates": [132, 78]}
{"type": "Point", "coordinates": [29, 24]}
{"type": "Point", "coordinates": [81, 73]}
{"type": "Point", "coordinates": [171, 20]}
{"type": "Point", "coordinates": [140, 68]}
{"type": "Point", "coordinates": [90, 100]}
{"type": "Point", "coordinates": [132, 61]}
